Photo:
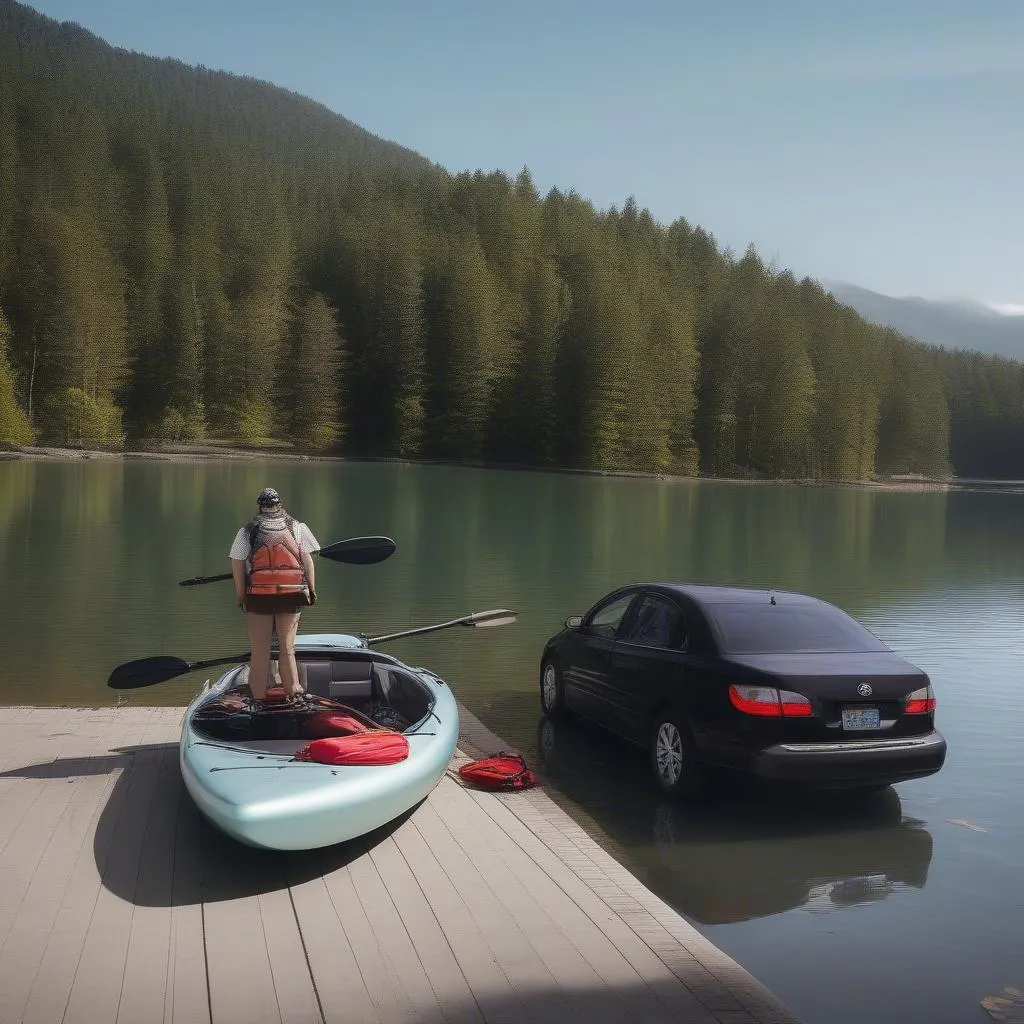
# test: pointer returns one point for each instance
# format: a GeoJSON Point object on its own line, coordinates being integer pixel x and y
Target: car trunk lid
{"type": "Point", "coordinates": [858, 695]}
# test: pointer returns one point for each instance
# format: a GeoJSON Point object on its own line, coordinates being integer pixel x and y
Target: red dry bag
{"type": "Point", "coordinates": [504, 770]}
{"type": "Point", "coordinates": [327, 723]}
{"type": "Point", "coordinates": [368, 748]}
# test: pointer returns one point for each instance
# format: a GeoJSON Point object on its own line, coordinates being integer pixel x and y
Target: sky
{"type": "Point", "coordinates": [878, 143]}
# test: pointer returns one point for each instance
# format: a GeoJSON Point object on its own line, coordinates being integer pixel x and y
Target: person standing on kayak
{"type": "Point", "coordinates": [272, 565]}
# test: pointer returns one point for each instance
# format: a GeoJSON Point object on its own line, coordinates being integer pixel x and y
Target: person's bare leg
{"type": "Point", "coordinates": [260, 629]}
{"type": "Point", "coordinates": [287, 627]}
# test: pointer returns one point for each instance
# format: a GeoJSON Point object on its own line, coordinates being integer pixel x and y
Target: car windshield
{"type": "Point", "coordinates": [746, 628]}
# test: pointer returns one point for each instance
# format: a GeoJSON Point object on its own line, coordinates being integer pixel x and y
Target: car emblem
{"type": "Point", "coordinates": [864, 689]}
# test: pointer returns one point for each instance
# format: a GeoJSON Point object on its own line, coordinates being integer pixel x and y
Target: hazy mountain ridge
{"type": "Point", "coordinates": [952, 324]}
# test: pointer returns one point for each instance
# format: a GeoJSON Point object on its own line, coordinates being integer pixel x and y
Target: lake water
{"type": "Point", "coordinates": [906, 906]}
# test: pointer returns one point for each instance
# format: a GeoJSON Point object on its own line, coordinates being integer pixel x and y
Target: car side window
{"type": "Point", "coordinates": [657, 623]}
{"type": "Point", "coordinates": [607, 620]}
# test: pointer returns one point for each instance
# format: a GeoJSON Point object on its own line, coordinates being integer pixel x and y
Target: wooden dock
{"type": "Point", "coordinates": [120, 905]}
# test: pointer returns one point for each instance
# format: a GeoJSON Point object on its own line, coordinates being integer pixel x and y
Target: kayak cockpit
{"type": "Point", "coordinates": [380, 694]}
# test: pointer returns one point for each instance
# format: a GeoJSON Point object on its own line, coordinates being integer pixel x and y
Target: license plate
{"type": "Point", "coordinates": [861, 718]}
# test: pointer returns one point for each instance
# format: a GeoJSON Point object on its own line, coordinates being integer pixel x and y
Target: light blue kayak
{"type": "Point", "coordinates": [254, 790]}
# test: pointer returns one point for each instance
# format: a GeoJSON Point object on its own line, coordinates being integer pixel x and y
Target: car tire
{"type": "Point", "coordinates": [672, 756]}
{"type": "Point", "coordinates": [552, 691]}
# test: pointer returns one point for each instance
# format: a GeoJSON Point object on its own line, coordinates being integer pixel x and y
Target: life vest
{"type": "Point", "coordinates": [276, 565]}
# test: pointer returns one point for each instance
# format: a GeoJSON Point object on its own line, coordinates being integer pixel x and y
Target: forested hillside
{"type": "Point", "coordinates": [185, 254]}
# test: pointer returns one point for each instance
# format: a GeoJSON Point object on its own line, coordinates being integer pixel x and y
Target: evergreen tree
{"type": "Point", "coordinates": [316, 358]}
{"type": "Point", "coordinates": [14, 426]}
{"type": "Point", "coordinates": [525, 426]}
{"type": "Point", "coordinates": [461, 343]}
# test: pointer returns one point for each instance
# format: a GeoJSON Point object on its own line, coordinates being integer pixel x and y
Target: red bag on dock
{"type": "Point", "coordinates": [504, 770]}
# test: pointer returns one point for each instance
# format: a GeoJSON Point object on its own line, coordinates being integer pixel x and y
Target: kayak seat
{"type": "Point", "coordinates": [340, 680]}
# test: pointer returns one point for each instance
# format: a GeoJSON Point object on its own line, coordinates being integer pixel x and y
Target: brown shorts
{"type": "Point", "coordinates": [270, 604]}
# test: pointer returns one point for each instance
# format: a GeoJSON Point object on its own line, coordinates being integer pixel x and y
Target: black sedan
{"type": "Point", "coordinates": [776, 684]}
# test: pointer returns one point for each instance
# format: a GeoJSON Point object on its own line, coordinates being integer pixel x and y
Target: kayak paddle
{"type": "Point", "coordinates": [147, 671]}
{"type": "Point", "coordinates": [354, 551]}
{"type": "Point", "coordinates": [494, 617]}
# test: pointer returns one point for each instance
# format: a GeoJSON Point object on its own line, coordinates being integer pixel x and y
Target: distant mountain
{"type": "Point", "coordinates": [951, 324]}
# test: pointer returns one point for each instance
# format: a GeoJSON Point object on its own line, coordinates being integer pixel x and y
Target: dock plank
{"type": "Point", "coordinates": [188, 994]}
{"type": "Point", "coordinates": [98, 983]}
{"type": "Point", "coordinates": [449, 984]}
{"type": "Point", "coordinates": [237, 955]}
{"type": "Point", "coordinates": [585, 961]}
{"type": "Point", "coordinates": [494, 991]}
{"type": "Point", "coordinates": [53, 982]}
{"type": "Point", "coordinates": [23, 749]}
{"type": "Point", "coordinates": [22, 952]}
{"type": "Point", "coordinates": [402, 959]}
{"type": "Point", "coordinates": [342, 992]}
{"type": "Point", "coordinates": [296, 996]}
{"type": "Point", "coordinates": [477, 881]}
{"type": "Point", "coordinates": [144, 990]}
{"type": "Point", "coordinates": [581, 880]}
{"type": "Point", "coordinates": [380, 975]}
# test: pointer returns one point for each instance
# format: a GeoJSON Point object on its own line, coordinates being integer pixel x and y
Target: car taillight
{"type": "Point", "coordinates": [768, 702]}
{"type": "Point", "coordinates": [920, 702]}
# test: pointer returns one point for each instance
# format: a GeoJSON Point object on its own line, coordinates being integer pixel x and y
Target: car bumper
{"type": "Point", "coordinates": [853, 762]}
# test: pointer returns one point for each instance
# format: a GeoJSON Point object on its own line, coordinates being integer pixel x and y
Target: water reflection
{"type": "Point", "coordinates": [748, 850]}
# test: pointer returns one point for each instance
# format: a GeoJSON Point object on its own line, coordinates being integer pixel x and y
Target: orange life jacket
{"type": "Point", "coordinates": [276, 565]}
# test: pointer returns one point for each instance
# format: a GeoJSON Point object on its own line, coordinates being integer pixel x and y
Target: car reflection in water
{"type": "Point", "coordinates": [747, 850]}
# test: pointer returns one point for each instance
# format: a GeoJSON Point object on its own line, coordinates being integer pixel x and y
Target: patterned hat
{"type": "Point", "coordinates": [268, 498]}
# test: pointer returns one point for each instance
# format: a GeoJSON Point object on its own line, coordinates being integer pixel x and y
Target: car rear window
{"type": "Point", "coordinates": [745, 628]}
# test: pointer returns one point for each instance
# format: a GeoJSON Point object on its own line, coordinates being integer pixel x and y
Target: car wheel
{"type": "Point", "coordinates": [552, 693]}
{"type": "Point", "coordinates": [672, 756]}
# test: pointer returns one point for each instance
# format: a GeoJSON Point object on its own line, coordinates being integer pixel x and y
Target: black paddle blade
{"type": "Point", "coordinates": [360, 550]}
{"type": "Point", "coordinates": [146, 672]}
{"type": "Point", "coordinates": [195, 581]}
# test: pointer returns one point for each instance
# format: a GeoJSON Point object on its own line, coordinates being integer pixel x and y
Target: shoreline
{"type": "Point", "coordinates": [184, 454]}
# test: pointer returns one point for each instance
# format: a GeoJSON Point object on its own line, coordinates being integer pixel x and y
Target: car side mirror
{"type": "Point", "coordinates": [574, 622]}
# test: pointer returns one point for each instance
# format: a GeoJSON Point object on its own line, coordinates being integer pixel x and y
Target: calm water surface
{"type": "Point", "coordinates": [906, 906]}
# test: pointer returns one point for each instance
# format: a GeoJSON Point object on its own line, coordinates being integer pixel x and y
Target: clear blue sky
{"type": "Point", "coordinates": [879, 143]}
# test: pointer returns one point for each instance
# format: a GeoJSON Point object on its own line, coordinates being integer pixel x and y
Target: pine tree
{"type": "Point", "coordinates": [782, 437]}
{"type": "Point", "coordinates": [14, 425]}
{"type": "Point", "coordinates": [524, 428]}
{"type": "Point", "coordinates": [461, 342]}
{"type": "Point", "coordinates": [399, 360]}
{"type": "Point", "coordinates": [316, 358]}
{"type": "Point", "coordinates": [8, 178]}
{"type": "Point", "coordinates": [148, 253]}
